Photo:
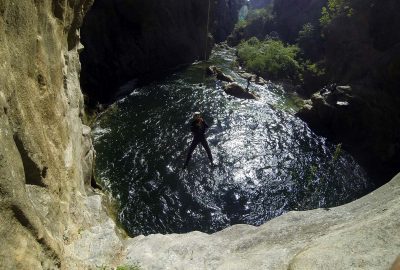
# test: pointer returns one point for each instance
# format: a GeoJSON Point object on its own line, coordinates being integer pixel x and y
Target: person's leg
{"type": "Point", "coordinates": [204, 143]}
{"type": "Point", "coordinates": [192, 146]}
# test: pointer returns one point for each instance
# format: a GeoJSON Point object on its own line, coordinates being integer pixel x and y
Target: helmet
{"type": "Point", "coordinates": [196, 114]}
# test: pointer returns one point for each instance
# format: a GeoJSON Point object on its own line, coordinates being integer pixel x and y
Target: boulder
{"type": "Point", "coordinates": [215, 71]}
{"type": "Point", "coordinates": [211, 70]}
{"type": "Point", "coordinates": [238, 91]}
{"type": "Point", "coordinates": [254, 78]}
{"type": "Point", "coordinates": [223, 77]}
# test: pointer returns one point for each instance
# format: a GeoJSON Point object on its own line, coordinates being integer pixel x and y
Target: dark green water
{"type": "Point", "coordinates": [268, 161]}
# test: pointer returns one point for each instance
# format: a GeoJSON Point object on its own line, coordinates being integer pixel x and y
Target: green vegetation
{"type": "Point", "coordinates": [312, 172]}
{"type": "Point", "coordinates": [129, 267]}
{"type": "Point", "coordinates": [255, 15]}
{"type": "Point", "coordinates": [338, 153]}
{"type": "Point", "coordinates": [306, 32]}
{"type": "Point", "coordinates": [334, 9]}
{"type": "Point", "coordinates": [313, 68]}
{"type": "Point", "coordinates": [270, 58]}
{"type": "Point", "coordinates": [121, 267]}
{"type": "Point", "coordinates": [310, 42]}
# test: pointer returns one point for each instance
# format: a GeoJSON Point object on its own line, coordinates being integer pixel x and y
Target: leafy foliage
{"type": "Point", "coordinates": [334, 9]}
{"type": "Point", "coordinates": [129, 267]}
{"type": "Point", "coordinates": [270, 58]}
{"type": "Point", "coordinates": [310, 42]}
{"type": "Point", "coordinates": [262, 14]}
{"type": "Point", "coordinates": [135, 266]}
{"type": "Point", "coordinates": [306, 32]}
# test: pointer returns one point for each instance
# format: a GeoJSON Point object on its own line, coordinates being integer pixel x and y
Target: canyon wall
{"type": "Point", "coordinates": [50, 218]}
{"type": "Point", "coordinates": [45, 151]}
{"type": "Point", "coordinates": [127, 39]}
{"type": "Point", "coordinates": [362, 50]}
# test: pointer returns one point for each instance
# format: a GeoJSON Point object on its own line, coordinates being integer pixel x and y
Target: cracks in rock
{"type": "Point", "coordinates": [41, 81]}
{"type": "Point", "coordinates": [44, 172]}
{"type": "Point", "coordinates": [34, 175]}
{"type": "Point", "coordinates": [59, 9]}
{"type": "Point", "coordinates": [79, 12]}
{"type": "Point", "coordinates": [24, 220]}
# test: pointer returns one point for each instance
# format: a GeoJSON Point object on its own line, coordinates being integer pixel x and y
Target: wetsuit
{"type": "Point", "coordinates": [198, 128]}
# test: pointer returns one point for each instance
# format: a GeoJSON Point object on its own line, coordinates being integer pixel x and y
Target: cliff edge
{"type": "Point", "coordinates": [360, 235]}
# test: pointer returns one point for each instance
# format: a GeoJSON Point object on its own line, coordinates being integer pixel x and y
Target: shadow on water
{"type": "Point", "coordinates": [267, 161]}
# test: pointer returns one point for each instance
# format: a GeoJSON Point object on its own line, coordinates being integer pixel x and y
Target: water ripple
{"type": "Point", "coordinates": [267, 160]}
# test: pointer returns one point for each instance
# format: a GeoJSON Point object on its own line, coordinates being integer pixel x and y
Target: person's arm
{"type": "Point", "coordinates": [192, 127]}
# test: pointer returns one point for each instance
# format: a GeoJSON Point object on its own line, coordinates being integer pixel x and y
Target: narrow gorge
{"type": "Point", "coordinates": [62, 62]}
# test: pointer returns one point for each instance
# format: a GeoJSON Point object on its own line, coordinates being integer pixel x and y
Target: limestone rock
{"type": "Point", "coordinates": [238, 91]}
{"type": "Point", "coordinates": [359, 235]}
{"type": "Point", "coordinates": [41, 176]}
{"type": "Point", "coordinates": [88, 155]}
{"type": "Point", "coordinates": [97, 243]}
{"type": "Point", "coordinates": [396, 264]}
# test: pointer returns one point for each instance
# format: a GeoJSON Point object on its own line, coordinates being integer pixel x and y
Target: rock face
{"type": "Point", "coordinates": [43, 143]}
{"type": "Point", "coordinates": [363, 50]}
{"type": "Point", "coordinates": [144, 39]}
{"type": "Point", "coordinates": [291, 15]}
{"type": "Point", "coordinates": [238, 91]}
{"type": "Point", "coordinates": [225, 18]}
{"type": "Point", "coordinates": [361, 119]}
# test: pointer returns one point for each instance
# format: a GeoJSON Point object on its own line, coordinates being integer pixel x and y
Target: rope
{"type": "Point", "coordinates": [208, 22]}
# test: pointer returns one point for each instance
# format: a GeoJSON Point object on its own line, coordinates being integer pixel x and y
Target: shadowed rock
{"type": "Point", "coordinates": [238, 91]}
{"type": "Point", "coordinates": [214, 71]}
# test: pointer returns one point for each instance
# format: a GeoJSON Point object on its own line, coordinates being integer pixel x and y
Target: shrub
{"type": "Point", "coordinates": [128, 267]}
{"type": "Point", "coordinates": [270, 58]}
{"type": "Point", "coordinates": [254, 15]}
{"type": "Point", "coordinates": [334, 9]}
{"type": "Point", "coordinates": [310, 42]}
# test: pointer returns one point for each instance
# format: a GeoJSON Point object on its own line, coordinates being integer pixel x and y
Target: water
{"type": "Point", "coordinates": [268, 161]}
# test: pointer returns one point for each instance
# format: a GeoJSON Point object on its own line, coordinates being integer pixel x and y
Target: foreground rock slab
{"type": "Point", "coordinates": [363, 234]}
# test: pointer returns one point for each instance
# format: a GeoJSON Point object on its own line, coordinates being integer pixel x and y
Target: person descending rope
{"type": "Point", "coordinates": [198, 128]}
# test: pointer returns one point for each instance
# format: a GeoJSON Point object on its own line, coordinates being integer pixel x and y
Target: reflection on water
{"type": "Point", "coordinates": [268, 161]}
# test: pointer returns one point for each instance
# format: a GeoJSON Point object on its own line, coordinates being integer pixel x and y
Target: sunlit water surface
{"type": "Point", "coordinates": [268, 161]}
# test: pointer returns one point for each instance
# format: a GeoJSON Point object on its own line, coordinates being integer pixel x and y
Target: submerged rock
{"type": "Point", "coordinates": [238, 91]}
{"type": "Point", "coordinates": [215, 71]}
